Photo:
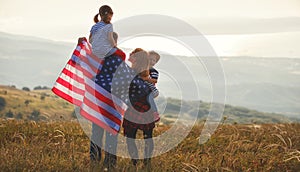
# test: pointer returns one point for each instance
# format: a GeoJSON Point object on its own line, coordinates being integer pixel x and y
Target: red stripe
{"type": "Point", "coordinates": [73, 63]}
{"type": "Point", "coordinates": [93, 56]}
{"type": "Point", "coordinates": [83, 70]}
{"type": "Point", "coordinates": [79, 68]}
{"type": "Point", "coordinates": [86, 61]}
{"type": "Point", "coordinates": [107, 100]}
{"type": "Point", "coordinates": [94, 69]}
{"type": "Point", "coordinates": [81, 45]}
{"type": "Point", "coordinates": [87, 73]}
{"type": "Point", "coordinates": [69, 86]}
{"type": "Point", "coordinates": [102, 111]}
{"type": "Point", "coordinates": [100, 96]}
{"type": "Point", "coordinates": [121, 54]}
{"type": "Point", "coordinates": [97, 59]}
{"type": "Point", "coordinates": [76, 52]}
{"type": "Point", "coordinates": [66, 97]}
{"type": "Point", "coordinates": [73, 75]}
{"type": "Point", "coordinates": [98, 122]}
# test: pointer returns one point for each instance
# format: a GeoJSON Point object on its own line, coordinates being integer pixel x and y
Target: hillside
{"type": "Point", "coordinates": [33, 105]}
{"type": "Point", "coordinates": [44, 105]}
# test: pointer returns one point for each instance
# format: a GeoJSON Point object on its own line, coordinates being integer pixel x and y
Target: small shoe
{"type": "Point", "coordinates": [156, 116]}
{"type": "Point", "coordinates": [134, 162]}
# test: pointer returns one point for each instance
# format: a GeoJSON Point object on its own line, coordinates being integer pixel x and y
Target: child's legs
{"type": "Point", "coordinates": [130, 134]}
{"type": "Point", "coordinates": [96, 142]}
{"type": "Point", "coordinates": [149, 145]}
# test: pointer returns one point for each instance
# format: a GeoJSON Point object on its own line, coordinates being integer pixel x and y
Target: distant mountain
{"type": "Point", "coordinates": [30, 61]}
{"type": "Point", "coordinates": [264, 84]}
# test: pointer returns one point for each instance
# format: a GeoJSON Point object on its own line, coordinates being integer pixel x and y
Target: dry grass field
{"type": "Point", "coordinates": [63, 146]}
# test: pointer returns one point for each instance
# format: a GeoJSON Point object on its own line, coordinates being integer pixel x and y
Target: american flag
{"type": "Point", "coordinates": [76, 84]}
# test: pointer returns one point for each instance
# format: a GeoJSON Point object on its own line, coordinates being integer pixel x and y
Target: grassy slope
{"type": "Point", "coordinates": [51, 108]}
{"type": "Point", "coordinates": [63, 146]}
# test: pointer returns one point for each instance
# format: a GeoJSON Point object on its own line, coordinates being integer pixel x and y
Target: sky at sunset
{"type": "Point", "coordinates": [266, 28]}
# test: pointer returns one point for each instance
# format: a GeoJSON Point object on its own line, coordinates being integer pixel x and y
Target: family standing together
{"type": "Point", "coordinates": [141, 113]}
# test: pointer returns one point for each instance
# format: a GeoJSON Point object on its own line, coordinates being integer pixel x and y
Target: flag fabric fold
{"type": "Point", "coordinates": [76, 84]}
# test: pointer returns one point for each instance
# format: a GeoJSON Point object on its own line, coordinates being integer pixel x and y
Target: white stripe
{"type": "Point", "coordinates": [83, 52]}
{"type": "Point", "coordinates": [78, 48]}
{"type": "Point", "coordinates": [74, 71]}
{"type": "Point", "coordinates": [69, 92]}
{"type": "Point", "coordinates": [72, 81]}
{"type": "Point", "coordinates": [100, 117]}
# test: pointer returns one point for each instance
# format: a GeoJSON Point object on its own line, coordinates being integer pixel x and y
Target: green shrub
{"type": "Point", "coordinates": [9, 114]}
{"type": "Point", "coordinates": [2, 103]}
{"type": "Point", "coordinates": [25, 89]}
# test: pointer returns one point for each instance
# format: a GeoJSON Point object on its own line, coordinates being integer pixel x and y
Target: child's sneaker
{"type": "Point", "coordinates": [156, 116]}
